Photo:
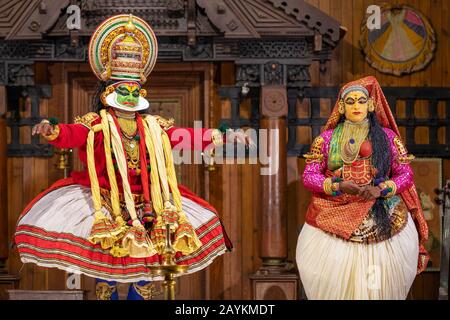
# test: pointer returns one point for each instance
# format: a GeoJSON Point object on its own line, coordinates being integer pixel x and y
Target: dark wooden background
{"type": "Point", "coordinates": [233, 189]}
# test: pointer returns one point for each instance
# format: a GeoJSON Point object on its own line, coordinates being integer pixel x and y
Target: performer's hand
{"type": "Point", "coordinates": [43, 128]}
{"type": "Point", "coordinates": [350, 187]}
{"type": "Point", "coordinates": [370, 192]}
{"type": "Point", "coordinates": [243, 138]}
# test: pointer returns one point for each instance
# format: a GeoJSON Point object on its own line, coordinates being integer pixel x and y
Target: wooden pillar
{"type": "Point", "coordinates": [274, 186]}
{"type": "Point", "coordinates": [7, 281]}
{"type": "Point", "coordinates": [3, 185]}
{"type": "Point", "coordinates": [273, 281]}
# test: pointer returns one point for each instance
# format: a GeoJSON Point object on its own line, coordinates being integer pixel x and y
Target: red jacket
{"type": "Point", "coordinates": [75, 136]}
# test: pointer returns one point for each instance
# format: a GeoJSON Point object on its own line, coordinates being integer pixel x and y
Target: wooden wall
{"type": "Point", "coordinates": [235, 189]}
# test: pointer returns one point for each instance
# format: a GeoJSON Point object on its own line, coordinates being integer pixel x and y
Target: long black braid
{"type": "Point", "coordinates": [381, 160]}
{"type": "Point", "coordinates": [97, 104]}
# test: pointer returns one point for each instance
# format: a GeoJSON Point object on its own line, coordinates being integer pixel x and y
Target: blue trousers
{"type": "Point", "coordinates": [107, 290]}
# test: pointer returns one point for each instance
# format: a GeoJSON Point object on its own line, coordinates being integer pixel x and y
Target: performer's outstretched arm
{"type": "Point", "coordinates": [67, 135]}
{"type": "Point", "coordinates": [194, 138]}
{"type": "Point", "coordinates": [70, 136]}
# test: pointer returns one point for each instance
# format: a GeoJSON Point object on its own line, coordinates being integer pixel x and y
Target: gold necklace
{"type": "Point", "coordinates": [353, 135]}
{"type": "Point", "coordinates": [128, 126]}
{"type": "Point", "coordinates": [132, 150]}
{"type": "Point", "coordinates": [125, 115]}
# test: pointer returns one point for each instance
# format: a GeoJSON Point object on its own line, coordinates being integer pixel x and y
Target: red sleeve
{"type": "Point", "coordinates": [190, 138]}
{"type": "Point", "coordinates": [70, 136]}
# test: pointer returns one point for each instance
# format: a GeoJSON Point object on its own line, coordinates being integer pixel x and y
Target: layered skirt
{"type": "Point", "coordinates": [334, 269]}
{"type": "Point", "coordinates": [53, 230]}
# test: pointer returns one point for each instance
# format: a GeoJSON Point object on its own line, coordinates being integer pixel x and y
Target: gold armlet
{"type": "Point", "coordinates": [315, 155]}
{"type": "Point", "coordinates": [403, 156]}
{"type": "Point", "coordinates": [405, 159]}
{"type": "Point", "coordinates": [166, 124]}
{"type": "Point", "coordinates": [311, 157]}
{"type": "Point", "coordinates": [54, 135]}
{"type": "Point", "coordinates": [87, 119]}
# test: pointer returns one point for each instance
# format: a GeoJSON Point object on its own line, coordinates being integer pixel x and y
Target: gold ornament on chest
{"type": "Point", "coordinates": [128, 128]}
{"type": "Point", "coordinates": [356, 152]}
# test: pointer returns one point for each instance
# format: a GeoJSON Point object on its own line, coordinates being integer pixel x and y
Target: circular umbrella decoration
{"type": "Point", "coordinates": [405, 43]}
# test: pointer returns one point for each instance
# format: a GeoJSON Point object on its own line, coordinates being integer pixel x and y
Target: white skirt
{"type": "Point", "coordinates": [53, 233]}
{"type": "Point", "coordinates": [334, 269]}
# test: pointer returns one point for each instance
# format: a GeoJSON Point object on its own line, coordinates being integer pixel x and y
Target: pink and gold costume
{"type": "Point", "coordinates": [341, 252]}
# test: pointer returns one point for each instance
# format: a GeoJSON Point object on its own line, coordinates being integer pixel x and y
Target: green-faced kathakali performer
{"type": "Point", "coordinates": [109, 220]}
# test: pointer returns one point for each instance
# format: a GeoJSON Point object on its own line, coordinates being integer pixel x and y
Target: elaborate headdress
{"type": "Point", "coordinates": [123, 48]}
{"type": "Point", "coordinates": [372, 87]}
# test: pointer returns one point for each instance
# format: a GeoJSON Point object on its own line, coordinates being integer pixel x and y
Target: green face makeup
{"type": "Point", "coordinates": [127, 95]}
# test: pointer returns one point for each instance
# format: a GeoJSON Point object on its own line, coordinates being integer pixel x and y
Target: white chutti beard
{"type": "Point", "coordinates": [111, 99]}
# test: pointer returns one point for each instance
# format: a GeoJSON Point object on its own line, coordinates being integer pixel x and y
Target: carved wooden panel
{"type": "Point", "coordinates": [11, 13]}
{"type": "Point", "coordinates": [274, 101]}
{"type": "Point", "coordinates": [28, 19]}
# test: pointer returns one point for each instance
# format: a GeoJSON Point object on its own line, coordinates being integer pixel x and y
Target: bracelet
{"type": "Point", "coordinates": [327, 184]}
{"type": "Point", "coordinates": [331, 188]}
{"type": "Point", "coordinates": [335, 186]}
{"type": "Point", "coordinates": [223, 128]}
{"type": "Point", "coordinates": [389, 188]}
{"type": "Point", "coordinates": [378, 181]}
{"type": "Point", "coordinates": [54, 135]}
{"type": "Point", "coordinates": [53, 121]}
{"type": "Point", "coordinates": [336, 179]}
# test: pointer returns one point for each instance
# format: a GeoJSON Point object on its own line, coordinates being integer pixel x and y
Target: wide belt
{"type": "Point", "coordinates": [137, 197]}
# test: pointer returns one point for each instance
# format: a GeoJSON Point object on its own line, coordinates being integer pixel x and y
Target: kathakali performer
{"type": "Point", "coordinates": [109, 221]}
{"type": "Point", "coordinates": [365, 230]}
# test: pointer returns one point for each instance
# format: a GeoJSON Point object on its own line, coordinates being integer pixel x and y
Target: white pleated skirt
{"type": "Point", "coordinates": [334, 269]}
{"type": "Point", "coordinates": [53, 233]}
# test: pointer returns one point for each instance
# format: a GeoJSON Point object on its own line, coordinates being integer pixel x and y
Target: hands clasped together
{"type": "Point", "coordinates": [367, 192]}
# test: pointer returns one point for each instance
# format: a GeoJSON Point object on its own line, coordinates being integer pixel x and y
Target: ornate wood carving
{"type": "Point", "coordinates": [28, 19]}
{"type": "Point", "coordinates": [272, 34]}
{"type": "Point", "coordinates": [274, 101]}
{"type": "Point", "coordinates": [32, 96]}
{"type": "Point", "coordinates": [313, 18]}
{"type": "Point", "coordinates": [251, 19]}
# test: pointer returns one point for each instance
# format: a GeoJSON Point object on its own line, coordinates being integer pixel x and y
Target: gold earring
{"type": "Point", "coordinates": [143, 93]}
{"type": "Point", "coordinates": [341, 108]}
{"type": "Point", "coordinates": [371, 105]}
{"type": "Point", "coordinates": [109, 89]}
